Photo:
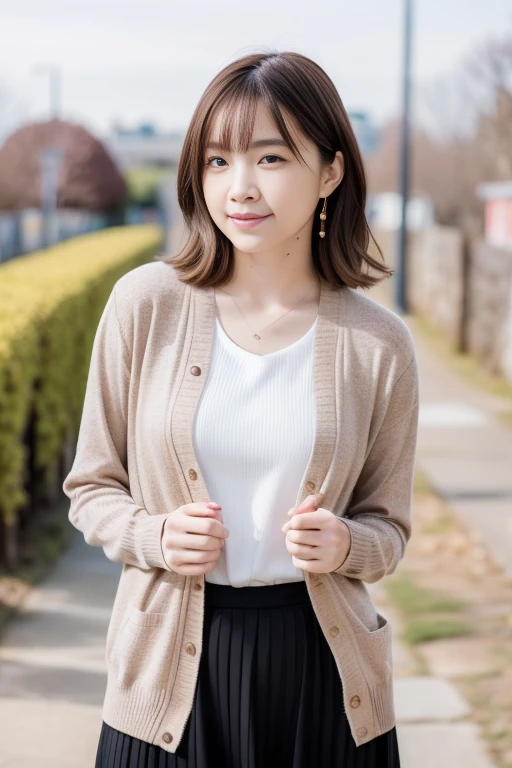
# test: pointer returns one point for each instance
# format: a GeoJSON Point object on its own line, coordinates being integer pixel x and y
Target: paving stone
{"type": "Point", "coordinates": [48, 734]}
{"type": "Point", "coordinates": [441, 745]}
{"type": "Point", "coordinates": [427, 698]}
{"type": "Point", "coordinates": [456, 656]}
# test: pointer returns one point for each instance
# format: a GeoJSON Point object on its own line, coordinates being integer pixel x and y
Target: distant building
{"type": "Point", "coordinates": [384, 211]}
{"type": "Point", "coordinates": [367, 134]}
{"type": "Point", "coordinates": [498, 212]}
{"type": "Point", "coordinates": [143, 146]}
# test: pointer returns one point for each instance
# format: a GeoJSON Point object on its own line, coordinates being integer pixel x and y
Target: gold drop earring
{"type": "Point", "coordinates": [323, 217]}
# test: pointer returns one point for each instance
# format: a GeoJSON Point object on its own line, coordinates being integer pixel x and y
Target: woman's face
{"type": "Point", "coordinates": [268, 181]}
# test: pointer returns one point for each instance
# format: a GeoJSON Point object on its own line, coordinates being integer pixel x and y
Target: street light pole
{"type": "Point", "coordinates": [401, 273]}
{"type": "Point", "coordinates": [55, 88]}
{"type": "Point", "coordinates": [51, 159]}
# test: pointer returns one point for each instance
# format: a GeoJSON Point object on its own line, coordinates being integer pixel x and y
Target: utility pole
{"type": "Point", "coordinates": [401, 272]}
{"type": "Point", "coordinates": [55, 82]}
{"type": "Point", "coordinates": [51, 159]}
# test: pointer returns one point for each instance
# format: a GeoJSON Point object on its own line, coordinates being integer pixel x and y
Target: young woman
{"type": "Point", "coordinates": [247, 448]}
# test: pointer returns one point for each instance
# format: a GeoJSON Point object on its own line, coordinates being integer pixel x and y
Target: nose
{"type": "Point", "coordinates": [243, 185]}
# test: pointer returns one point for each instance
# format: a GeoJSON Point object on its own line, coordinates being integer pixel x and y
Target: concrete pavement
{"type": "Point", "coordinates": [433, 720]}
{"type": "Point", "coordinates": [52, 669]}
{"type": "Point", "coordinates": [466, 451]}
{"type": "Point", "coordinates": [464, 448]}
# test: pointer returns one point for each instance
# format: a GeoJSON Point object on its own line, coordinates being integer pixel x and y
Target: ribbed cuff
{"type": "Point", "coordinates": [151, 528]}
{"type": "Point", "coordinates": [362, 546]}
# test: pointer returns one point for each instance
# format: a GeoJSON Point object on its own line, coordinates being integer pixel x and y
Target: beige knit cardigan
{"type": "Point", "coordinates": [135, 464]}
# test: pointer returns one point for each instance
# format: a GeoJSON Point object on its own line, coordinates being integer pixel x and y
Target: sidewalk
{"type": "Point", "coordinates": [433, 726]}
{"type": "Point", "coordinates": [52, 672]}
{"type": "Point", "coordinates": [463, 447]}
{"type": "Point", "coordinates": [466, 452]}
{"type": "Point", "coordinates": [52, 669]}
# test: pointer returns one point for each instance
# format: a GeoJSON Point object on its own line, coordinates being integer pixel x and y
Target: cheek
{"type": "Point", "coordinates": [296, 207]}
{"type": "Point", "coordinates": [214, 202]}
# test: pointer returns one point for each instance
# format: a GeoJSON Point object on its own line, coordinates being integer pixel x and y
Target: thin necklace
{"type": "Point", "coordinates": [256, 335]}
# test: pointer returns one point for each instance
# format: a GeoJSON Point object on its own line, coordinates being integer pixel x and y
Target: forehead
{"type": "Point", "coordinates": [248, 124]}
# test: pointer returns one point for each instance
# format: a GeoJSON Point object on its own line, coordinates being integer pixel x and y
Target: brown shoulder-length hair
{"type": "Point", "coordinates": [293, 82]}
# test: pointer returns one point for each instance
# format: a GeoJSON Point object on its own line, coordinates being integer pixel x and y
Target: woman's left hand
{"type": "Point", "coordinates": [317, 539]}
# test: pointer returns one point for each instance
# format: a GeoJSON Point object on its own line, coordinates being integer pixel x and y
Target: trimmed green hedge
{"type": "Point", "coordinates": [50, 305]}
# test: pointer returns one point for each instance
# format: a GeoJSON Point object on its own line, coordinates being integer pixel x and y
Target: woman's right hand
{"type": "Point", "coordinates": [193, 537]}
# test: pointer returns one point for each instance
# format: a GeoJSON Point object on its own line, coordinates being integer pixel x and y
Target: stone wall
{"type": "Point", "coordinates": [489, 321]}
{"type": "Point", "coordinates": [463, 290]}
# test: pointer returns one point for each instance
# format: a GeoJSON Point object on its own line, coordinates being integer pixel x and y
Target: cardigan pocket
{"type": "Point", "coordinates": [375, 651]}
{"type": "Point", "coordinates": [142, 652]}
{"type": "Point", "coordinates": [146, 618]}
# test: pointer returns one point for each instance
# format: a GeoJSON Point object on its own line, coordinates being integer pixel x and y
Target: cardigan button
{"type": "Point", "coordinates": [334, 631]}
{"type": "Point", "coordinates": [167, 737]}
{"type": "Point", "coordinates": [355, 701]}
{"type": "Point", "coordinates": [195, 370]}
{"type": "Point", "coordinates": [192, 474]}
{"type": "Point", "coordinates": [310, 485]}
{"type": "Point", "coordinates": [197, 585]}
{"type": "Point", "coordinates": [361, 732]}
{"type": "Point", "coordinates": [190, 648]}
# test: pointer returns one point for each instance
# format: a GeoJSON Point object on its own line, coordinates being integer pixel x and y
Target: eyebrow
{"type": "Point", "coordinates": [258, 143]}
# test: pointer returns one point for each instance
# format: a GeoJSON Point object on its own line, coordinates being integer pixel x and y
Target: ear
{"type": "Point", "coordinates": [333, 174]}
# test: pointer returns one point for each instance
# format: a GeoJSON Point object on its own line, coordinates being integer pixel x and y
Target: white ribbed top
{"type": "Point", "coordinates": [253, 435]}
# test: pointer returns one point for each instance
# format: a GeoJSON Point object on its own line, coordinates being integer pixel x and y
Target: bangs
{"type": "Point", "coordinates": [237, 111]}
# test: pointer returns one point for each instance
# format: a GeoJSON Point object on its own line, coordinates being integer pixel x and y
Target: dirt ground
{"type": "Point", "coordinates": [448, 560]}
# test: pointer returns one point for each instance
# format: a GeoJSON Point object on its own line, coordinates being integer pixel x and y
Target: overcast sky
{"type": "Point", "coordinates": [150, 60]}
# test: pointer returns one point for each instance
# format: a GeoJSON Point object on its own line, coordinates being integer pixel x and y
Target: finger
{"type": "Point", "coordinates": [310, 520]}
{"type": "Point", "coordinates": [305, 557]}
{"type": "Point", "coordinates": [309, 538]}
{"type": "Point", "coordinates": [198, 541]}
{"type": "Point", "coordinates": [310, 502]}
{"type": "Point", "coordinates": [312, 566]}
{"type": "Point", "coordinates": [302, 550]}
{"type": "Point", "coordinates": [192, 556]}
{"type": "Point", "coordinates": [194, 569]}
{"type": "Point", "coordinates": [198, 509]}
{"type": "Point", "coordinates": [204, 526]}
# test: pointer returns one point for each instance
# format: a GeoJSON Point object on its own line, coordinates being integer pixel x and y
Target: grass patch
{"type": "Point", "coordinates": [422, 630]}
{"type": "Point", "coordinates": [425, 612]}
{"type": "Point", "coordinates": [414, 600]}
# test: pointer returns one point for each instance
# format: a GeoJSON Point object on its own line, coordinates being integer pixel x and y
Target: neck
{"type": "Point", "coordinates": [261, 283]}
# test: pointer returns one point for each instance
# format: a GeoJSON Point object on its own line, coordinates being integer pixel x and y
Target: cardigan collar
{"type": "Point", "coordinates": [327, 372]}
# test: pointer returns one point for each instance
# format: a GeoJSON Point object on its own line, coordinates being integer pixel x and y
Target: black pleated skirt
{"type": "Point", "coordinates": [268, 693]}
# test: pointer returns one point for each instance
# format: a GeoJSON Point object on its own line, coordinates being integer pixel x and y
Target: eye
{"type": "Point", "coordinates": [214, 158]}
{"type": "Point", "coordinates": [275, 157]}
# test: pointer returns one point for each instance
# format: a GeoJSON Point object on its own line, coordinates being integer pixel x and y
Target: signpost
{"type": "Point", "coordinates": [401, 272]}
{"type": "Point", "coordinates": [51, 160]}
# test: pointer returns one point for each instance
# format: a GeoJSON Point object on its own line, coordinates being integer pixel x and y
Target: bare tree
{"type": "Point", "coordinates": [489, 77]}
{"type": "Point", "coordinates": [469, 139]}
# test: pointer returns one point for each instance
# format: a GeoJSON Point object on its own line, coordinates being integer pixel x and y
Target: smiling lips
{"type": "Point", "coordinates": [247, 220]}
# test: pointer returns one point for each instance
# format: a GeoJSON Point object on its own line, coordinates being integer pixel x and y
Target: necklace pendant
{"type": "Point", "coordinates": [256, 336]}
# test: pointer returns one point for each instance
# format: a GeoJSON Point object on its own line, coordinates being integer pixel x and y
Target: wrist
{"type": "Point", "coordinates": [347, 541]}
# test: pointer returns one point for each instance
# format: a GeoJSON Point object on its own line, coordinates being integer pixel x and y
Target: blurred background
{"type": "Point", "coordinates": [95, 99]}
